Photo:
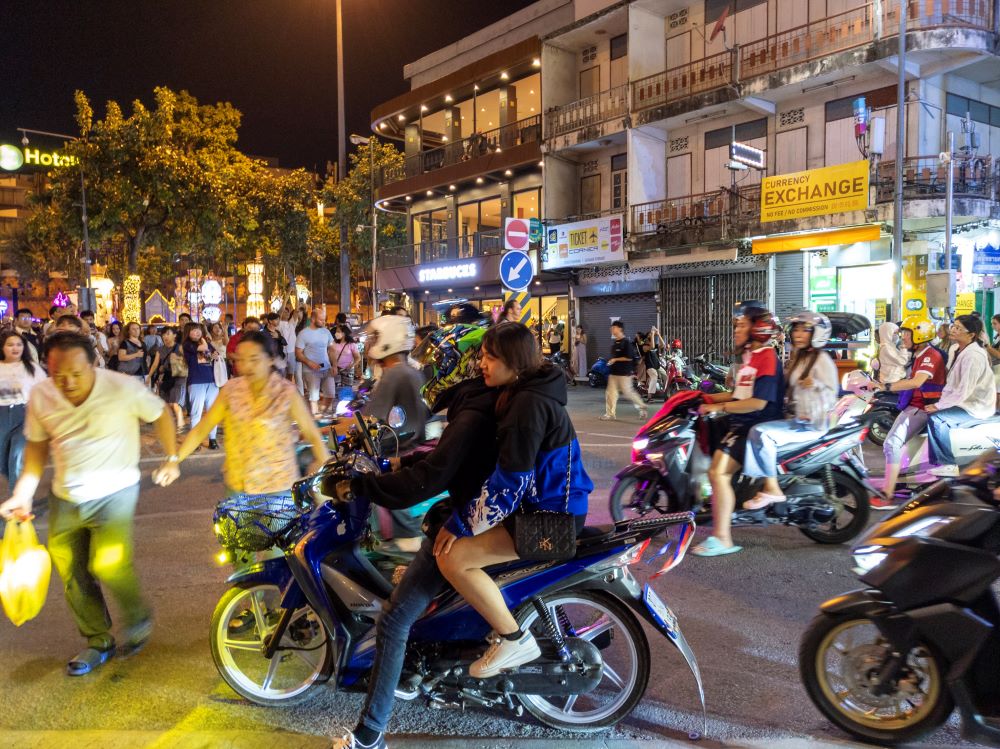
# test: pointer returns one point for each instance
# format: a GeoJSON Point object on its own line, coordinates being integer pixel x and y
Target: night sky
{"type": "Point", "coordinates": [275, 60]}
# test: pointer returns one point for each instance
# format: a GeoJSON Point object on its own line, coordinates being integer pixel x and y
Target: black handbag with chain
{"type": "Point", "coordinates": [545, 535]}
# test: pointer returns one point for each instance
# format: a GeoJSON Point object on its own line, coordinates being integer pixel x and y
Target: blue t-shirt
{"type": "Point", "coordinates": [313, 342]}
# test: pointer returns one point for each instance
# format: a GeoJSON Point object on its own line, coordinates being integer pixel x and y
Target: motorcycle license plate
{"type": "Point", "coordinates": [660, 611]}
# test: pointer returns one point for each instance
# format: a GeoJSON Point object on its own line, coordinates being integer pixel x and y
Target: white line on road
{"type": "Point", "coordinates": [596, 434]}
{"type": "Point", "coordinates": [605, 444]}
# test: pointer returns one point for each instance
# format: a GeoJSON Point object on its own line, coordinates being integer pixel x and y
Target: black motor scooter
{"type": "Point", "coordinates": [824, 480]}
{"type": "Point", "coordinates": [889, 662]}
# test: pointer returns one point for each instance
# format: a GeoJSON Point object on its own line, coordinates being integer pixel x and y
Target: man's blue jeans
{"type": "Point", "coordinates": [939, 433]}
{"type": "Point", "coordinates": [411, 597]}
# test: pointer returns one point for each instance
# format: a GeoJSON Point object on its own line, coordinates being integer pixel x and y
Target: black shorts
{"type": "Point", "coordinates": [734, 444]}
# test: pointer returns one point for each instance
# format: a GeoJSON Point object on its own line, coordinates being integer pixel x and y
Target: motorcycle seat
{"type": "Point", "coordinates": [785, 450]}
{"type": "Point", "coordinates": [979, 422]}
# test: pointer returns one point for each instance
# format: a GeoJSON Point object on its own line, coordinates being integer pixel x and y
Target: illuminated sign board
{"type": "Point", "coordinates": [742, 153]}
{"type": "Point", "coordinates": [583, 243]}
{"type": "Point", "coordinates": [13, 158]}
{"type": "Point", "coordinates": [452, 272]}
{"type": "Point", "coordinates": [816, 192]}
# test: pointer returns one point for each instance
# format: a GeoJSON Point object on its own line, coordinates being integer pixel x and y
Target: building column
{"type": "Point", "coordinates": [451, 224]}
{"type": "Point", "coordinates": [453, 132]}
{"type": "Point", "coordinates": [411, 149]}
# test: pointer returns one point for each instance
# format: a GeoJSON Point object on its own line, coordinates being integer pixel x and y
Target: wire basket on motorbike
{"type": "Point", "coordinates": [251, 523]}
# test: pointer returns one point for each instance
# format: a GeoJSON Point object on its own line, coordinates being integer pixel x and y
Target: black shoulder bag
{"type": "Point", "coordinates": [545, 535]}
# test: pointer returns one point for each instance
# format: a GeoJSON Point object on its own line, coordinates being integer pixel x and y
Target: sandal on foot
{"type": "Point", "coordinates": [712, 547]}
{"type": "Point", "coordinates": [88, 660]}
{"type": "Point", "coordinates": [762, 500]}
{"type": "Point", "coordinates": [138, 637]}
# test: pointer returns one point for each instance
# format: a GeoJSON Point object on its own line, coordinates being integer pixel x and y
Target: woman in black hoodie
{"type": "Point", "coordinates": [539, 464]}
{"type": "Point", "coordinates": [462, 460]}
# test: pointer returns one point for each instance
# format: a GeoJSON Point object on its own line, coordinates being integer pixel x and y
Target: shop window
{"type": "Point", "coordinates": [527, 203]}
{"type": "Point", "coordinates": [838, 109]}
{"type": "Point", "coordinates": [489, 215]}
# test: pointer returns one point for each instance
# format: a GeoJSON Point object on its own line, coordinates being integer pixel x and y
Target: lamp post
{"type": "Point", "coordinates": [83, 201]}
{"type": "Point", "coordinates": [345, 259]}
{"type": "Point", "coordinates": [897, 213]}
{"type": "Point", "coordinates": [359, 140]}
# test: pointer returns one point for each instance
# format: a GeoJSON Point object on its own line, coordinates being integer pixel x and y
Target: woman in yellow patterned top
{"type": "Point", "coordinates": [259, 410]}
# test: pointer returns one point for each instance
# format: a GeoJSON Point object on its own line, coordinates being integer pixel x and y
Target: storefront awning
{"type": "Point", "coordinates": [795, 242]}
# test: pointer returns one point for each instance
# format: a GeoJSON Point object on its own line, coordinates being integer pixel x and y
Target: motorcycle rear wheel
{"type": "Point", "coordinates": [605, 621]}
{"type": "Point", "coordinates": [880, 427]}
{"type": "Point", "coordinates": [290, 676]}
{"type": "Point", "coordinates": [851, 497]}
{"type": "Point", "coordinates": [837, 670]}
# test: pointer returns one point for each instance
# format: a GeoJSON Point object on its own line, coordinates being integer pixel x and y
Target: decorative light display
{"type": "Point", "coordinates": [255, 288]}
{"type": "Point", "coordinates": [194, 293]}
{"type": "Point", "coordinates": [275, 303]}
{"type": "Point", "coordinates": [104, 291]}
{"type": "Point", "coordinates": [61, 300]}
{"type": "Point", "coordinates": [211, 296]}
{"type": "Point", "coordinates": [132, 310]}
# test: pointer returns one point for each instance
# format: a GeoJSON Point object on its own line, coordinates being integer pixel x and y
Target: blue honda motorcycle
{"type": "Point", "coordinates": [290, 624]}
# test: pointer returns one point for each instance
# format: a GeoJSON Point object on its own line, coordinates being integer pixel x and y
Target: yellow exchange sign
{"type": "Point", "coordinates": [817, 192]}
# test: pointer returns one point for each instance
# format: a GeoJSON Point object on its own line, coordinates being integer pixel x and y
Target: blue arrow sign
{"type": "Point", "coordinates": [515, 270]}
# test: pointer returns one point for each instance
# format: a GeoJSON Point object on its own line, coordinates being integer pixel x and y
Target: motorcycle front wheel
{"type": "Point", "coordinates": [840, 658]}
{"type": "Point", "coordinates": [244, 616]}
{"type": "Point", "coordinates": [607, 623]}
{"type": "Point", "coordinates": [626, 496]}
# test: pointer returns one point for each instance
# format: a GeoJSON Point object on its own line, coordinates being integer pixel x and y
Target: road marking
{"type": "Point", "coordinates": [596, 434]}
{"type": "Point", "coordinates": [605, 444]}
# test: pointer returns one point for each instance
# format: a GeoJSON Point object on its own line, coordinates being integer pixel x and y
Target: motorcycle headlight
{"type": "Point", "coordinates": [640, 444]}
{"type": "Point", "coordinates": [868, 558]}
{"type": "Point", "coordinates": [924, 527]}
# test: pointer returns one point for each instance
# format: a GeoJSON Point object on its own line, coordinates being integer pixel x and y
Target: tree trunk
{"type": "Point", "coordinates": [134, 242]}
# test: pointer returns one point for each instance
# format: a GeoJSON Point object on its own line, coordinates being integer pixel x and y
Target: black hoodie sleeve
{"type": "Point", "coordinates": [431, 475]}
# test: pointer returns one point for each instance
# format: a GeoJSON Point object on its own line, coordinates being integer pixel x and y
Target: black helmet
{"type": "Point", "coordinates": [462, 313]}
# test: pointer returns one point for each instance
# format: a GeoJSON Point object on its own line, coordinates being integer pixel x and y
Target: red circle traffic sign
{"type": "Point", "coordinates": [516, 234]}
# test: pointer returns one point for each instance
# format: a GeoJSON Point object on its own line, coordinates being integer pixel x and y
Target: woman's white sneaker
{"type": "Point", "coordinates": [505, 654]}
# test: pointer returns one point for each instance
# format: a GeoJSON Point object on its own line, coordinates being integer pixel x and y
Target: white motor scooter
{"type": "Point", "coordinates": [968, 442]}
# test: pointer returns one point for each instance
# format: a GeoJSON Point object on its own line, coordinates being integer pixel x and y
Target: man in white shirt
{"type": "Point", "coordinates": [87, 419]}
{"type": "Point", "coordinates": [313, 348]}
{"type": "Point", "coordinates": [286, 327]}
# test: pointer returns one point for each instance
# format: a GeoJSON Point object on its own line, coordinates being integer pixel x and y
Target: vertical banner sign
{"type": "Point", "coordinates": [816, 192]}
{"type": "Point", "coordinates": [914, 284]}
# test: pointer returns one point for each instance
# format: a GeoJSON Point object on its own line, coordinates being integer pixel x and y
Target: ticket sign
{"type": "Point", "coordinates": [816, 192]}
{"type": "Point", "coordinates": [592, 242]}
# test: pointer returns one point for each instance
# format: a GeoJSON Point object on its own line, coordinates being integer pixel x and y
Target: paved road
{"type": "Point", "coordinates": [742, 614]}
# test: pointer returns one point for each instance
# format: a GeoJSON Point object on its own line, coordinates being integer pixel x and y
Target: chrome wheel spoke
{"type": "Point", "coordinates": [258, 615]}
{"type": "Point", "coordinates": [596, 629]}
{"type": "Point", "coordinates": [613, 676]}
{"type": "Point", "coordinates": [568, 706]}
{"type": "Point", "coordinates": [250, 645]}
{"type": "Point", "coordinates": [272, 669]}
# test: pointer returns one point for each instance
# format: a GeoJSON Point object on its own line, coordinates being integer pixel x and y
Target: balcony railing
{"type": "Point", "coordinates": [804, 43]}
{"type": "Point", "coordinates": [927, 177]}
{"type": "Point", "coordinates": [851, 29]}
{"type": "Point", "coordinates": [528, 130]}
{"type": "Point", "coordinates": [697, 211]}
{"type": "Point", "coordinates": [479, 244]}
{"type": "Point", "coordinates": [593, 110]}
{"type": "Point", "coordinates": [683, 81]}
{"type": "Point", "coordinates": [929, 14]}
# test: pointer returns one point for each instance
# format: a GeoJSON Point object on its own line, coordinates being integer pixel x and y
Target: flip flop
{"type": "Point", "coordinates": [88, 660]}
{"type": "Point", "coordinates": [712, 547]}
{"type": "Point", "coordinates": [762, 500]}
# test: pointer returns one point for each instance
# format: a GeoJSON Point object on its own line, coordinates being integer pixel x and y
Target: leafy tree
{"type": "Point", "coordinates": [352, 198]}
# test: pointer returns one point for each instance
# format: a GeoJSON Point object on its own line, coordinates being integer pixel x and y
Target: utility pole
{"type": "Point", "coordinates": [345, 257]}
{"type": "Point", "coordinates": [897, 213]}
{"type": "Point", "coordinates": [948, 200]}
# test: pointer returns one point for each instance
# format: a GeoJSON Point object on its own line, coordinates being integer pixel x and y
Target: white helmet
{"type": "Point", "coordinates": [820, 324]}
{"type": "Point", "coordinates": [388, 335]}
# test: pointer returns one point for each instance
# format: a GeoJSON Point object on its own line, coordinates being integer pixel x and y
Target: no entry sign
{"type": "Point", "coordinates": [515, 234]}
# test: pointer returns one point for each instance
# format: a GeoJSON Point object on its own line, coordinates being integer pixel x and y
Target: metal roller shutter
{"type": "Point", "coordinates": [636, 311]}
{"type": "Point", "coordinates": [789, 290]}
{"type": "Point", "coordinates": [698, 309]}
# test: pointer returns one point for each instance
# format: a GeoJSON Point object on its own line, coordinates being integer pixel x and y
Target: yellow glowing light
{"type": "Point", "coordinates": [222, 557]}
{"type": "Point", "coordinates": [133, 308]}
{"type": "Point", "coordinates": [255, 289]}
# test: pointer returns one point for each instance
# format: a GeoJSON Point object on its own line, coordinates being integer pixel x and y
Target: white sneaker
{"type": "Point", "coordinates": [944, 472]}
{"type": "Point", "coordinates": [505, 654]}
{"type": "Point", "coordinates": [346, 740]}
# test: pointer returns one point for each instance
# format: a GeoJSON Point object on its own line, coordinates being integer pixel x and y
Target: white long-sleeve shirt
{"type": "Point", "coordinates": [891, 359]}
{"type": "Point", "coordinates": [970, 384]}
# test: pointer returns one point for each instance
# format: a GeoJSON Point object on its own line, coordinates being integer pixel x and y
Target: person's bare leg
{"type": "Point", "coordinates": [771, 487]}
{"type": "Point", "coordinates": [463, 568]}
{"type": "Point", "coordinates": [891, 477]}
{"type": "Point", "coordinates": [720, 475]}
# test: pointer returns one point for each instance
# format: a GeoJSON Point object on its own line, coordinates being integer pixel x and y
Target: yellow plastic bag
{"type": "Point", "coordinates": [25, 568]}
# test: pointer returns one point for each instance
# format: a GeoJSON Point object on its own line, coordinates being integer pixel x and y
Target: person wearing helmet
{"type": "Point", "coordinates": [891, 360]}
{"type": "Point", "coordinates": [921, 389]}
{"type": "Point", "coordinates": [464, 458]}
{"type": "Point", "coordinates": [809, 397]}
{"type": "Point", "coordinates": [758, 396]}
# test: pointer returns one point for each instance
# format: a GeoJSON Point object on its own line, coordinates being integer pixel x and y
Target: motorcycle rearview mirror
{"type": "Point", "coordinates": [397, 417]}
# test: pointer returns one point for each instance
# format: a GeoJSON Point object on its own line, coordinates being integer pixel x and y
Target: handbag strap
{"type": "Point", "coordinates": [569, 470]}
